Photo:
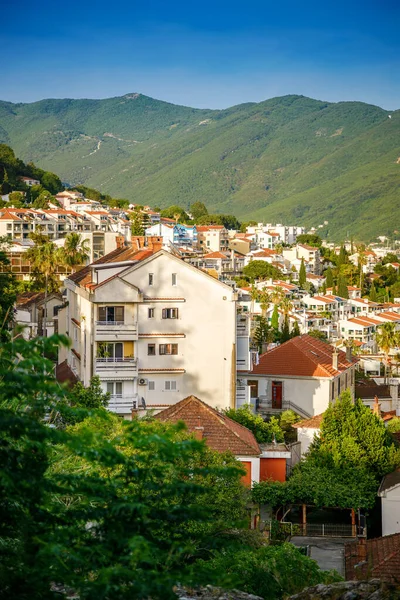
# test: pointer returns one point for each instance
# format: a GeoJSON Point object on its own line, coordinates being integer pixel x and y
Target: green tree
{"type": "Point", "coordinates": [16, 199]}
{"type": "Point", "coordinates": [295, 330]}
{"type": "Point", "coordinates": [51, 182]}
{"type": "Point", "coordinates": [311, 239]}
{"type": "Point", "coordinates": [329, 278]}
{"type": "Point", "coordinates": [175, 212]}
{"type": "Point", "coordinates": [259, 269]}
{"type": "Point", "coordinates": [43, 200]}
{"type": "Point", "coordinates": [136, 219]}
{"type": "Point", "coordinates": [198, 209]}
{"type": "Point", "coordinates": [106, 508]}
{"type": "Point", "coordinates": [302, 274]}
{"type": "Point", "coordinates": [342, 291]}
{"type": "Point", "coordinates": [342, 257]}
{"type": "Point", "coordinates": [275, 319]}
{"type": "Point", "coordinates": [319, 335]}
{"type": "Point", "coordinates": [372, 293]}
{"type": "Point", "coordinates": [262, 333]}
{"type": "Point", "coordinates": [264, 431]}
{"type": "Point", "coordinates": [8, 290]}
{"type": "Point", "coordinates": [387, 338]}
{"type": "Point", "coordinates": [75, 251]}
{"type": "Point", "coordinates": [285, 331]}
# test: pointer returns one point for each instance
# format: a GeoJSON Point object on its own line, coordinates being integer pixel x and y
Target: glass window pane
{"type": "Point", "coordinates": [118, 388]}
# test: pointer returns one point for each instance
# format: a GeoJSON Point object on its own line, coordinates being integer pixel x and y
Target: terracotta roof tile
{"type": "Point", "coordinates": [313, 423]}
{"type": "Point", "coordinates": [302, 356]}
{"type": "Point", "coordinates": [382, 559]}
{"type": "Point", "coordinates": [221, 433]}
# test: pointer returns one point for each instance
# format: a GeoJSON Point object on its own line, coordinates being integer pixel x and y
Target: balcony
{"type": "Point", "coordinates": [113, 368]}
{"type": "Point", "coordinates": [122, 405]}
{"type": "Point", "coordinates": [110, 331]}
{"type": "Point", "coordinates": [265, 405]}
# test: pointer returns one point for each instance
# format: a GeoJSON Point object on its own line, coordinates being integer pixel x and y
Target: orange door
{"type": "Point", "coordinates": [246, 479]}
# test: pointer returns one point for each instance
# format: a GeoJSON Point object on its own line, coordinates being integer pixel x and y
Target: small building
{"type": "Point", "coordinates": [389, 492]}
{"type": "Point", "coordinates": [304, 374]}
{"type": "Point", "coordinates": [222, 434]}
{"type": "Point", "coordinates": [307, 430]}
{"type": "Point", "coordinates": [30, 181]}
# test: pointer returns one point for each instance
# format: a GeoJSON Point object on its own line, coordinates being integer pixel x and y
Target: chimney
{"type": "Point", "coordinates": [362, 550]}
{"type": "Point", "coordinates": [138, 242]}
{"type": "Point", "coordinates": [154, 242]}
{"type": "Point", "coordinates": [377, 407]}
{"type": "Point", "coordinates": [348, 353]}
{"type": "Point", "coordinates": [199, 432]}
{"type": "Point", "coordinates": [335, 359]}
{"type": "Point", "coordinates": [120, 241]}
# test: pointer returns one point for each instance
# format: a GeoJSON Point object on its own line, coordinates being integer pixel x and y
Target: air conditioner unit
{"type": "Point", "coordinates": [142, 382]}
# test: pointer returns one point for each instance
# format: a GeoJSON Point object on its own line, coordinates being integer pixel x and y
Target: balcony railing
{"type": "Point", "coordinates": [122, 404]}
{"type": "Point", "coordinates": [108, 331]}
{"type": "Point", "coordinates": [264, 404]}
{"type": "Point", "coordinates": [112, 367]}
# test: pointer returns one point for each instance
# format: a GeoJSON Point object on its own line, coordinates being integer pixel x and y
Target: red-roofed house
{"type": "Point", "coordinates": [303, 374]}
{"type": "Point", "coordinates": [212, 238]}
{"type": "Point", "coordinates": [378, 558]}
{"type": "Point", "coordinates": [225, 435]}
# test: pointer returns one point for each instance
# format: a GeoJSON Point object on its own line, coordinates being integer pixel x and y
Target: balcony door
{"type": "Point", "coordinates": [111, 314]}
{"type": "Point", "coordinates": [277, 394]}
{"type": "Point", "coordinates": [114, 388]}
{"type": "Point", "coordinates": [111, 352]}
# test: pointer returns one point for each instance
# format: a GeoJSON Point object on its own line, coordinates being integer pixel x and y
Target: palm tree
{"type": "Point", "coordinates": [387, 338]}
{"type": "Point", "coordinates": [362, 261]}
{"type": "Point", "coordinates": [44, 262]}
{"type": "Point", "coordinates": [75, 251]}
{"type": "Point", "coordinates": [262, 297]}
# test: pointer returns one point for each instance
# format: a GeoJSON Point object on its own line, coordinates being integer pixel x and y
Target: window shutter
{"type": "Point", "coordinates": [102, 313]}
{"type": "Point", "coordinates": [119, 313]}
{"type": "Point", "coordinates": [164, 313]}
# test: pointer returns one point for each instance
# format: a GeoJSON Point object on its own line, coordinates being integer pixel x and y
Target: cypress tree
{"type": "Point", "coordinates": [285, 332]}
{"type": "Point", "coordinates": [372, 293]}
{"type": "Point", "coordinates": [302, 274]}
{"type": "Point", "coordinates": [295, 330]}
{"type": "Point", "coordinates": [329, 278]}
{"type": "Point", "coordinates": [275, 318]}
{"type": "Point", "coordinates": [342, 258]}
{"type": "Point", "coordinates": [333, 290]}
{"type": "Point", "coordinates": [343, 292]}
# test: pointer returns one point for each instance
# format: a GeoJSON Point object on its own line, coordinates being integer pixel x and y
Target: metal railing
{"type": "Point", "coordinates": [122, 404]}
{"type": "Point", "coordinates": [109, 323]}
{"type": "Point", "coordinates": [112, 359]}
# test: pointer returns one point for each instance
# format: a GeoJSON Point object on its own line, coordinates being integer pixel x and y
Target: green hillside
{"type": "Point", "coordinates": [290, 159]}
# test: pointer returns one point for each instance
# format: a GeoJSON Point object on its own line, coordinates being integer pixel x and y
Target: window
{"type": "Point", "coordinates": [110, 352]}
{"type": "Point", "coordinates": [151, 278]}
{"type": "Point", "coordinates": [114, 388]}
{"type": "Point", "coordinates": [170, 386]}
{"type": "Point", "coordinates": [170, 313]}
{"type": "Point", "coordinates": [152, 386]}
{"type": "Point", "coordinates": [150, 313]}
{"type": "Point", "coordinates": [174, 278]}
{"type": "Point", "coordinates": [168, 349]}
{"type": "Point", "coordinates": [151, 349]}
{"type": "Point", "coordinates": [111, 314]}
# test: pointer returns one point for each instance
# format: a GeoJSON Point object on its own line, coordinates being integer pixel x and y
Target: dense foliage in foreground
{"type": "Point", "coordinates": [112, 509]}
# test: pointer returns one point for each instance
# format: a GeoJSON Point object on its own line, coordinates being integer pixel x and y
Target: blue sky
{"type": "Point", "coordinates": [202, 54]}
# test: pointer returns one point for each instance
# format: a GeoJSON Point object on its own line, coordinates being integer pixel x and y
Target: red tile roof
{"type": "Point", "coordinates": [313, 423]}
{"type": "Point", "coordinates": [302, 356]}
{"type": "Point", "coordinates": [221, 433]}
{"type": "Point", "coordinates": [217, 255]}
{"type": "Point", "coordinates": [376, 558]}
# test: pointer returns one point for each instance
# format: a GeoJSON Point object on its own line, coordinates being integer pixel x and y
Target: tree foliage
{"type": "Point", "coordinates": [259, 269]}
{"type": "Point", "coordinates": [302, 274]}
{"type": "Point", "coordinates": [264, 431]}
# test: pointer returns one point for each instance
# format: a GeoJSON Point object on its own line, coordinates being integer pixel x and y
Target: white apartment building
{"type": "Point", "coordinates": [153, 328]}
{"type": "Point", "coordinates": [212, 238]}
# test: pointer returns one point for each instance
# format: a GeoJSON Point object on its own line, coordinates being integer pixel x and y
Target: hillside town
{"type": "Point", "coordinates": [229, 331]}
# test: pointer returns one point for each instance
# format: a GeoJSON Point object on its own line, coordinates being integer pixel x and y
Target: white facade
{"type": "Point", "coordinates": [174, 335]}
{"type": "Point", "coordinates": [390, 510]}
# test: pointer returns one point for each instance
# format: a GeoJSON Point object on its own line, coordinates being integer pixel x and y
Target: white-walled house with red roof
{"type": "Point", "coordinates": [304, 374]}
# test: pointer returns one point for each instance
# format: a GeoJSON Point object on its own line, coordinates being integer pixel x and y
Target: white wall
{"type": "Point", "coordinates": [391, 511]}
{"type": "Point", "coordinates": [305, 436]}
{"type": "Point", "coordinates": [255, 466]}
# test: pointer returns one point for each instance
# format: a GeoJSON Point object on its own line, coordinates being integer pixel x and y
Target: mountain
{"type": "Point", "coordinates": [290, 159]}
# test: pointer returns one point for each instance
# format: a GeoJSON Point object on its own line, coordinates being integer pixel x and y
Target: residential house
{"type": "Point", "coordinates": [222, 434]}
{"type": "Point", "coordinates": [361, 329]}
{"type": "Point", "coordinates": [307, 429]}
{"type": "Point", "coordinates": [389, 492]}
{"type": "Point", "coordinates": [212, 238]}
{"type": "Point", "coordinates": [30, 181]}
{"type": "Point", "coordinates": [30, 313]}
{"type": "Point", "coordinates": [304, 374]}
{"type": "Point", "coordinates": [152, 327]}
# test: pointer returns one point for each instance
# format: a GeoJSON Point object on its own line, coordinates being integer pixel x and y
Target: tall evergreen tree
{"type": "Point", "coordinates": [342, 258]}
{"type": "Point", "coordinates": [343, 292]}
{"type": "Point", "coordinates": [329, 278]}
{"type": "Point", "coordinates": [285, 331]}
{"type": "Point", "coordinates": [295, 330]}
{"type": "Point", "coordinates": [372, 293]}
{"type": "Point", "coordinates": [275, 318]}
{"type": "Point", "coordinates": [302, 274]}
